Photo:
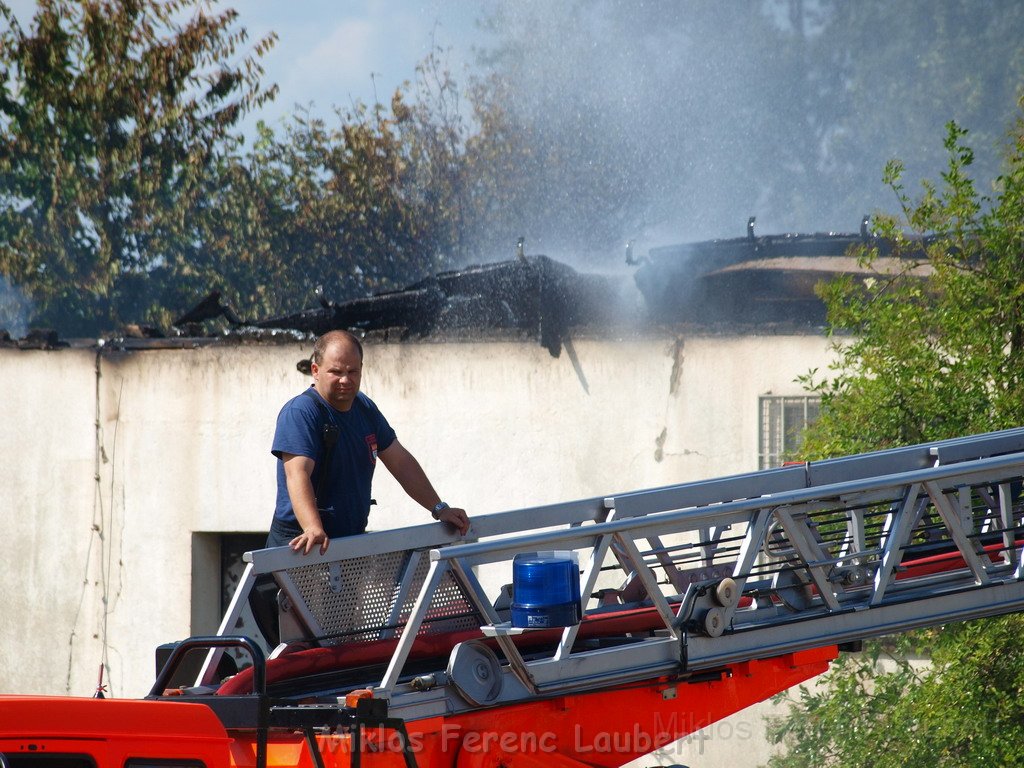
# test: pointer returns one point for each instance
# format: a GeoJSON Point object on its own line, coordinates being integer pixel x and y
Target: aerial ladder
{"type": "Point", "coordinates": [397, 648]}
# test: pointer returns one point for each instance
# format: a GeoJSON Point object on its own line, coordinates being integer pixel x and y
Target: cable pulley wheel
{"type": "Point", "coordinates": [714, 622]}
{"type": "Point", "coordinates": [727, 593]}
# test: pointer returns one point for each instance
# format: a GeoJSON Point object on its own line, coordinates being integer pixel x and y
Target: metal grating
{"type": "Point", "coordinates": [356, 600]}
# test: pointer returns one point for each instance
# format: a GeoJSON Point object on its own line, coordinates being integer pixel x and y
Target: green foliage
{"type": "Point", "coordinates": [923, 358]}
{"type": "Point", "coordinates": [111, 114]}
{"type": "Point", "coordinates": [383, 196]}
{"type": "Point", "coordinates": [314, 206]}
{"type": "Point", "coordinates": [963, 709]}
{"type": "Point", "coordinates": [926, 354]}
{"type": "Point", "coordinates": [369, 202]}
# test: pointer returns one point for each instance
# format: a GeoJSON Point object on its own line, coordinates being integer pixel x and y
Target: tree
{"type": "Point", "coordinates": [926, 359]}
{"type": "Point", "coordinates": [367, 203]}
{"type": "Point", "coordinates": [112, 113]}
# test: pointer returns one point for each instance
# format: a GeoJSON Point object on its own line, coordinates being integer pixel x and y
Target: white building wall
{"type": "Point", "coordinates": [105, 480]}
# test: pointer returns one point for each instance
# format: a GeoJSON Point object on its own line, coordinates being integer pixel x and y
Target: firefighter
{"type": "Point", "coordinates": [327, 442]}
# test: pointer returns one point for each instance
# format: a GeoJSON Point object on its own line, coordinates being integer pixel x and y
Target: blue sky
{"type": "Point", "coordinates": [333, 53]}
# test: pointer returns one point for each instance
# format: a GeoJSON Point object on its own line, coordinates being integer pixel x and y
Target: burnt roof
{"type": "Point", "coordinates": [752, 280]}
{"type": "Point", "coordinates": [741, 284]}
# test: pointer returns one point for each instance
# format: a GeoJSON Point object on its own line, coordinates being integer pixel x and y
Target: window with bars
{"type": "Point", "coordinates": [782, 421]}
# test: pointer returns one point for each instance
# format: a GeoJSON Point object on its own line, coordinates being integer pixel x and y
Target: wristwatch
{"type": "Point", "coordinates": [440, 507]}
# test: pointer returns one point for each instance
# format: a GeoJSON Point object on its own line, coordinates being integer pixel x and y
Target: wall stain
{"type": "Point", "coordinates": [677, 366]}
{"type": "Point", "coordinates": [659, 445]}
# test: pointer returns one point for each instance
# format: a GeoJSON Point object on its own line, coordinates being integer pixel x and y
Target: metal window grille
{"type": "Point", "coordinates": [782, 421]}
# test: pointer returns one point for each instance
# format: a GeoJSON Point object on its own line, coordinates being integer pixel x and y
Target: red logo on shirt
{"type": "Point", "coordinates": [371, 443]}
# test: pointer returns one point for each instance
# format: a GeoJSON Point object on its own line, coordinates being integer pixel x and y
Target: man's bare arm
{"type": "Point", "coordinates": [414, 481]}
{"type": "Point", "coordinates": [298, 473]}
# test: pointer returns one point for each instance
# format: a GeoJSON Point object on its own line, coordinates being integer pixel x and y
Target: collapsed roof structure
{"type": "Point", "coordinates": [740, 283]}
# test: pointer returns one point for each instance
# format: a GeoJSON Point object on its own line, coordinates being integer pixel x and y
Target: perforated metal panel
{"type": "Point", "coordinates": [357, 599]}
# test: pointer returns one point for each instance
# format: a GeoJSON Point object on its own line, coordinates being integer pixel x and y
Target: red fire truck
{"type": "Point", "coordinates": [587, 633]}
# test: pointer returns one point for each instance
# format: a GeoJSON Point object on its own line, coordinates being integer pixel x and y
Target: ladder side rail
{"type": "Point", "coordinates": [643, 503]}
{"type": "Point", "coordinates": [814, 475]}
{"type": "Point", "coordinates": [785, 637]}
{"type": "Point", "coordinates": [608, 666]}
{"type": "Point", "coordinates": [430, 535]}
{"type": "Point", "coordinates": [922, 586]}
{"type": "Point", "coordinates": [756, 617]}
{"type": "Point", "coordinates": [979, 446]}
{"type": "Point", "coordinates": [351, 547]}
{"type": "Point", "coordinates": [811, 475]}
{"type": "Point", "coordinates": [821, 473]}
{"type": "Point", "coordinates": [678, 520]}
{"type": "Point", "coordinates": [944, 452]}
{"type": "Point", "coordinates": [704, 492]}
{"type": "Point", "coordinates": [583, 511]}
{"type": "Point", "coordinates": [591, 671]}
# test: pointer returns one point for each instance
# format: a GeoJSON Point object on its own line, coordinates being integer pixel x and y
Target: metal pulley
{"type": "Point", "coordinates": [475, 671]}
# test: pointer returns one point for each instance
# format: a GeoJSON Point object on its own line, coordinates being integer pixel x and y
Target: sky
{"type": "Point", "coordinates": [335, 53]}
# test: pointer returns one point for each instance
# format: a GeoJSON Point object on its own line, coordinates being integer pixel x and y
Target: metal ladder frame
{"type": "Point", "coordinates": [731, 569]}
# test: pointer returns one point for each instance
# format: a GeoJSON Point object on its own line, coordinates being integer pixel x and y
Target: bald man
{"type": "Point", "coordinates": [328, 440]}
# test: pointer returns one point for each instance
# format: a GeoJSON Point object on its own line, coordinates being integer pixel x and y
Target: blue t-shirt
{"type": "Point", "coordinates": [344, 495]}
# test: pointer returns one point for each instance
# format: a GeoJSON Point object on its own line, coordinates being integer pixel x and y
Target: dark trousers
{"type": "Point", "coordinates": [281, 533]}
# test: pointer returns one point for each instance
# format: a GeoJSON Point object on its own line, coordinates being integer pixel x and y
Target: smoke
{"type": "Point", "coordinates": [15, 310]}
{"type": "Point", "coordinates": [697, 115]}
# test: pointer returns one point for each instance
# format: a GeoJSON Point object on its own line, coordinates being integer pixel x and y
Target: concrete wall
{"type": "Point", "coordinates": [114, 464]}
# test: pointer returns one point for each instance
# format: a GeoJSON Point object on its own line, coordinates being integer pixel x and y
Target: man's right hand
{"type": "Point", "coordinates": [310, 538]}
